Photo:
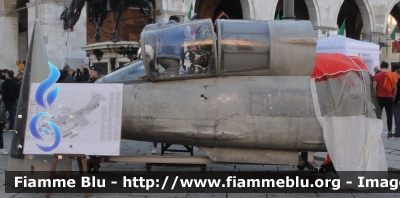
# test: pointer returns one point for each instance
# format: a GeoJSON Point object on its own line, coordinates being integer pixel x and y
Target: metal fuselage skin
{"type": "Point", "coordinates": [268, 113]}
{"type": "Point", "coordinates": [259, 96]}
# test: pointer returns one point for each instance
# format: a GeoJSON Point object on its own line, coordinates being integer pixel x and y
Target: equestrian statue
{"type": "Point", "coordinates": [98, 11]}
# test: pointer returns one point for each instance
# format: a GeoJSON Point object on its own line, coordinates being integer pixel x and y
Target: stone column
{"type": "Point", "coordinates": [55, 37]}
{"type": "Point", "coordinates": [328, 11]}
{"type": "Point", "coordinates": [165, 9]}
{"type": "Point", "coordinates": [8, 37]}
{"type": "Point", "coordinates": [288, 10]}
{"type": "Point", "coordinates": [376, 37]}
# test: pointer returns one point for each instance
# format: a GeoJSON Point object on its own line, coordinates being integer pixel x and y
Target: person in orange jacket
{"type": "Point", "coordinates": [385, 94]}
{"type": "Point", "coordinates": [21, 66]}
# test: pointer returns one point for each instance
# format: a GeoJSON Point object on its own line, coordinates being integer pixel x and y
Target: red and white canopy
{"type": "Point", "coordinates": [331, 64]}
{"type": "Point", "coordinates": [345, 108]}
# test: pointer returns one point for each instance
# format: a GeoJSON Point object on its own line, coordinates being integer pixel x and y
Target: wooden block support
{"type": "Point", "coordinates": [82, 163]}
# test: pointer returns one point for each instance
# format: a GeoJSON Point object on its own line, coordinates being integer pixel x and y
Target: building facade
{"type": "Point", "coordinates": [367, 20]}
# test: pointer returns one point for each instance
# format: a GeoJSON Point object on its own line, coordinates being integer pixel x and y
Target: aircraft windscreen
{"type": "Point", "coordinates": [180, 49]}
{"type": "Point", "coordinates": [134, 71]}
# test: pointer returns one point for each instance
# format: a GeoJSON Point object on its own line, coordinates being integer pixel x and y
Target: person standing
{"type": "Point", "coordinates": [376, 70]}
{"type": "Point", "coordinates": [11, 91]}
{"type": "Point", "coordinates": [85, 75]}
{"type": "Point", "coordinates": [384, 86]}
{"type": "Point", "coordinates": [20, 75]}
{"type": "Point", "coordinates": [78, 77]}
{"type": "Point", "coordinates": [3, 74]}
{"type": "Point", "coordinates": [170, 51]}
{"type": "Point", "coordinates": [94, 73]}
{"type": "Point", "coordinates": [66, 75]}
{"type": "Point", "coordinates": [3, 124]}
{"type": "Point", "coordinates": [21, 66]}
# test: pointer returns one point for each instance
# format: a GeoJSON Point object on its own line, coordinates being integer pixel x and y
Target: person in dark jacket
{"type": "Point", "coordinates": [10, 90]}
{"type": "Point", "coordinates": [3, 74]}
{"type": "Point", "coordinates": [19, 77]}
{"type": "Point", "coordinates": [66, 75]}
{"type": "Point", "coordinates": [78, 77]}
{"type": "Point", "coordinates": [94, 73]}
{"type": "Point", "coordinates": [83, 77]}
{"type": "Point", "coordinates": [3, 124]}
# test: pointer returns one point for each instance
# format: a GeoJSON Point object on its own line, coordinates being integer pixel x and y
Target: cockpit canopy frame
{"type": "Point", "coordinates": [203, 40]}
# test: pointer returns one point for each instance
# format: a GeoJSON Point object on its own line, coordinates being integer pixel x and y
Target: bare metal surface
{"type": "Point", "coordinates": [274, 113]}
{"type": "Point", "coordinates": [313, 142]}
{"type": "Point", "coordinates": [243, 42]}
{"type": "Point", "coordinates": [291, 60]}
{"type": "Point", "coordinates": [251, 156]}
{"type": "Point", "coordinates": [285, 48]}
{"type": "Point", "coordinates": [298, 41]}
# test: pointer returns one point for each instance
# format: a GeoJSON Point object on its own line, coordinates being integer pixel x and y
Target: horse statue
{"type": "Point", "coordinates": [98, 11]}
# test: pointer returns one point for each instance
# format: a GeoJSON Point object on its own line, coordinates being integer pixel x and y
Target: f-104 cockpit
{"type": "Point", "coordinates": [239, 48]}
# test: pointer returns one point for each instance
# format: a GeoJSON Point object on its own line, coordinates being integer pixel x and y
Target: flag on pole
{"type": "Point", "coordinates": [191, 11]}
{"type": "Point", "coordinates": [342, 30]}
{"type": "Point", "coordinates": [393, 36]}
{"type": "Point", "coordinates": [278, 16]}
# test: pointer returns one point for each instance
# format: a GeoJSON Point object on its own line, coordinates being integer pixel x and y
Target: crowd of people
{"type": "Point", "coordinates": [10, 86]}
{"type": "Point", "coordinates": [68, 75]}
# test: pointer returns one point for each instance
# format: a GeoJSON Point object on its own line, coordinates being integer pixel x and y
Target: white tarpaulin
{"type": "Point", "coordinates": [368, 52]}
{"type": "Point", "coordinates": [341, 91]}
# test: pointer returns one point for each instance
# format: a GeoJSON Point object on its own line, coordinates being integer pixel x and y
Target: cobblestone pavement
{"type": "Point", "coordinates": [144, 148]}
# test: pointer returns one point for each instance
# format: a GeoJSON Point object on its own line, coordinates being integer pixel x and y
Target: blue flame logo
{"type": "Point", "coordinates": [35, 132]}
{"type": "Point", "coordinates": [45, 85]}
{"type": "Point", "coordinates": [51, 97]}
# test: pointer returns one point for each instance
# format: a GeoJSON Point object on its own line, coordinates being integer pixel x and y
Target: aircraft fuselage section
{"type": "Point", "coordinates": [271, 113]}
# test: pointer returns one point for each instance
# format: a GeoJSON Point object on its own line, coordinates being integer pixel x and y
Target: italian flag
{"type": "Point", "coordinates": [278, 16]}
{"type": "Point", "coordinates": [342, 30]}
{"type": "Point", "coordinates": [191, 11]}
{"type": "Point", "coordinates": [393, 36]}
